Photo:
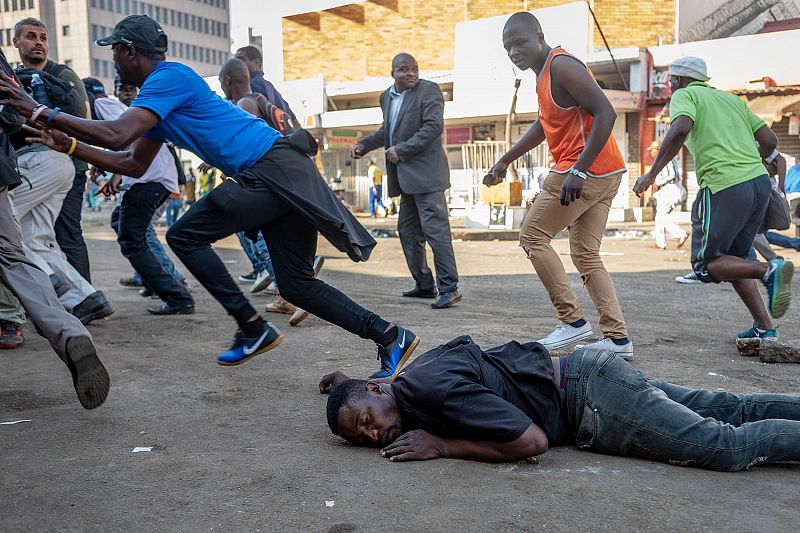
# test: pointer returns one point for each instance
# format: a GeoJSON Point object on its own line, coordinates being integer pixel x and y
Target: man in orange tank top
{"type": "Point", "coordinates": [576, 120]}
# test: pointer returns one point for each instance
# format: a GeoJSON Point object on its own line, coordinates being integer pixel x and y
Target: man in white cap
{"type": "Point", "coordinates": [719, 130]}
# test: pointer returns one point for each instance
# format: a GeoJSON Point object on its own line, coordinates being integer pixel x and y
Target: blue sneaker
{"type": "Point", "coordinates": [396, 354]}
{"type": "Point", "coordinates": [754, 333]}
{"type": "Point", "coordinates": [244, 348]}
{"type": "Point", "coordinates": [778, 281]}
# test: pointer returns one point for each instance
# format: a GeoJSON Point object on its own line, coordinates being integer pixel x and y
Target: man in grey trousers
{"type": "Point", "coordinates": [416, 165]}
{"type": "Point", "coordinates": [33, 288]}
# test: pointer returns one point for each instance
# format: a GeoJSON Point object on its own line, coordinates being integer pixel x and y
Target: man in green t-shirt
{"type": "Point", "coordinates": [728, 143]}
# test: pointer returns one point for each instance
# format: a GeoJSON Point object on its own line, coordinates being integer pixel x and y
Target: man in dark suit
{"type": "Point", "coordinates": [416, 165]}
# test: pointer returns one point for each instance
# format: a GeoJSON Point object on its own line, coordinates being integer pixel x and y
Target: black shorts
{"type": "Point", "coordinates": [726, 223]}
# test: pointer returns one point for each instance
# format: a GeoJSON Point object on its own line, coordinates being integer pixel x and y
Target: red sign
{"type": "Point", "coordinates": [457, 135]}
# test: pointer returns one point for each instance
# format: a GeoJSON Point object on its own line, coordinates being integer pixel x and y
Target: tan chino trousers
{"type": "Point", "coordinates": [586, 219]}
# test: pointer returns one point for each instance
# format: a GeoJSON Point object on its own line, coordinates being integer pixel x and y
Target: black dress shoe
{"type": "Point", "coordinates": [447, 299]}
{"type": "Point", "coordinates": [416, 292]}
{"type": "Point", "coordinates": [167, 309]}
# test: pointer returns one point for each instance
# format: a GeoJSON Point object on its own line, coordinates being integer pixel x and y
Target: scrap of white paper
{"type": "Point", "coordinates": [143, 449]}
{"type": "Point", "coordinates": [12, 422]}
{"type": "Point", "coordinates": [329, 503]}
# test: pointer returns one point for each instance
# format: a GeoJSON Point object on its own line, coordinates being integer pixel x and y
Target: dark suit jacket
{"type": "Point", "coordinates": [418, 140]}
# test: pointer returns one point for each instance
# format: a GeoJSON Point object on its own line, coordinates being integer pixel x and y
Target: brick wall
{"type": "Point", "coordinates": [359, 40]}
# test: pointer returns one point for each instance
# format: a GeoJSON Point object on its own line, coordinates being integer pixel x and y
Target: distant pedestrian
{"type": "Point", "coordinates": [719, 130]}
{"type": "Point", "coordinates": [417, 170]}
{"type": "Point", "coordinates": [375, 175]}
{"type": "Point", "coordinates": [670, 195]}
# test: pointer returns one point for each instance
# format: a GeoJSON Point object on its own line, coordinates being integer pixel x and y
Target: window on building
{"type": "Point", "coordinates": [158, 13]}
{"type": "Point", "coordinates": [65, 31]}
{"type": "Point", "coordinates": [194, 52]}
{"type": "Point", "coordinates": [102, 4]}
{"type": "Point", "coordinates": [150, 10]}
{"type": "Point", "coordinates": [127, 6]}
{"type": "Point", "coordinates": [118, 5]}
{"type": "Point", "coordinates": [95, 67]}
{"type": "Point", "coordinates": [30, 4]}
{"type": "Point", "coordinates": [105, 69]}
{"type": "Point", "coordinates": [14, 5]}
{"type": "Point", "coordinates": [171, 17]}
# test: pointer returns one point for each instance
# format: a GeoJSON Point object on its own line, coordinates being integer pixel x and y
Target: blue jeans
{"type": "Point", "coordinates": [782, 240]}
{"type": "Point", "coordinates": [155, 245]}
{"type": "Point", "coordinates": [173, 210]}
{"type": "Point", "coordinates": [615, 409]}
{"type": "Point", "coordinates": [132, 219]}
{"type": "Point", "coordinates": [375, 196]}
{"type": "Point", "coordinates": [257, 252]}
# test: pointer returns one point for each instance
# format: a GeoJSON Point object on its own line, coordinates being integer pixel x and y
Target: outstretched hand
{"type": "Point", "coordinates": [330, 381]}
{"type": "Point", "coordinates": [643, 183]}
{"type": "Point", "coordinates": [496, 174]}
{"type": "Point", "coordinates": [58, 141]}
{"type": "Point", "coordinates": [15, 96]}
{"type": "Point", "coordinates": [416, 445]}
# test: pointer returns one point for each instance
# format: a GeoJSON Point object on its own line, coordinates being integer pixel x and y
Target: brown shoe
{"type": "Point", "coordinates": [298, 316]}
{"type": "Point", "coordinates": [281, 306]}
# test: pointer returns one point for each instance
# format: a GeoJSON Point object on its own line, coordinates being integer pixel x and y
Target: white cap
{"type": "Point", "coordinates": [689, 67]}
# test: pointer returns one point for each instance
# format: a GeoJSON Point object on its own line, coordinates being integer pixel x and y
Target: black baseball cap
{"type": "Point", "coordinates": [94, 86]}
{"type": "Point", "coordinates": [144, 33]}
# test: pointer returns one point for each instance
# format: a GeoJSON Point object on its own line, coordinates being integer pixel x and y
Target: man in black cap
{"type": "Point", "coordinates": [276, 189]}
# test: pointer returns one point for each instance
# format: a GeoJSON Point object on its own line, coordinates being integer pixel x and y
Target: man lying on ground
{"type": "Point", "coordinates": [515, 401]}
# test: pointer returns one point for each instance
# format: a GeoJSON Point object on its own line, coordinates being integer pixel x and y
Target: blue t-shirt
{"type": "Point", "coordinates": [195, 118]}
{"type": "Point", "coordinates": [792, 182]}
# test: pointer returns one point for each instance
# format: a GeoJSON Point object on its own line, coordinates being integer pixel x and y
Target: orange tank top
{"type": "Point", "coordinates": [566, 130]}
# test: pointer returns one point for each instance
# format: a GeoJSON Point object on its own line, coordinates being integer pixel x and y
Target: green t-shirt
{"type": "Point", "coordinates": [721, 140]}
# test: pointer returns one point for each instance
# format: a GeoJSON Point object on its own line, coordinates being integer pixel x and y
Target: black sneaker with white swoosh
{"type": "Point", "coordinates": [394, 355]}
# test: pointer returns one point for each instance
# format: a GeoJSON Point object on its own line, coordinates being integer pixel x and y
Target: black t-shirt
{"type": "Point", "coordinates": [459, 391]}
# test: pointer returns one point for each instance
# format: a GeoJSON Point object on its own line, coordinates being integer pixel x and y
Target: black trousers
{"type": "Point", "coordinates": [130, 220]}
{"type": "Point", "coordinates": [247, 205]}
{"type": "Point", "coordinates": [69, 233]}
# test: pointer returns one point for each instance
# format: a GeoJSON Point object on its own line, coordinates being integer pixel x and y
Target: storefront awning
{"type": "Point", "coordinates": [774, 108]}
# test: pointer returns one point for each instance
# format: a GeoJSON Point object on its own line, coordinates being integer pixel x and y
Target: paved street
{"type": "Point", "coordinates": [248, 449]}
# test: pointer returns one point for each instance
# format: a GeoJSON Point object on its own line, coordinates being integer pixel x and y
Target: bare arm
{"type": "Point", "coordinates": [420, 445]}
{"type": "Point", "coordinates": [532, 138]}
{"type": "Point", "coordinates": [114, 134]}
{"type": "Point", "coordinates": [572, 77]}
{"type": "Point", "coordinates": [670, 147]}
{"type": "Point", "coordinates": [767, 141]}
{"type": "Point", "coordinates": [781, 164]}
{"type": "Point", "coordinates": [250, 105]}
{"type": "Point", "coordinates": [133, 162]}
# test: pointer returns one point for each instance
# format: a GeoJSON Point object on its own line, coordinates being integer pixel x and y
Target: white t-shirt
{"type": "Point", "coordinates": [162, 170]}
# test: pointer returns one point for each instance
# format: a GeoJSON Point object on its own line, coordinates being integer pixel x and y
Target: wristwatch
{"type": "Point", "coordinates": [575, 172]}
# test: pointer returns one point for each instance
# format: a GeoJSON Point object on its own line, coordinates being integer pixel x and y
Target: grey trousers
{"type": "Point", "coordinates": [424, 218]}
{"type": "Point", "coordinates": [38, 201]}
{"type": "Point", "coordinates": [761, 244]}
{"type": "Point", "coordinates": [10, 308]}
{"type": "Point", "coordinates": [32, 286]}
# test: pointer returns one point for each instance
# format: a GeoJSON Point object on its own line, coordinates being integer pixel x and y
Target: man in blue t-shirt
{"type": "Point", "coordinates": [275, 188]}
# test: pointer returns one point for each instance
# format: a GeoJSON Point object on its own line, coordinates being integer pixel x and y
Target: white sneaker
{"type": "Point", "coordinates": [625, 351]}
{"type": "Point", "coordinates": [691, 277]}
{"type": "Point", "coordinates": [272, 289]}
{"type": "Point", "coordinates": [564, 335]}
{"type": "Point", "coordinates": [263, 279]}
